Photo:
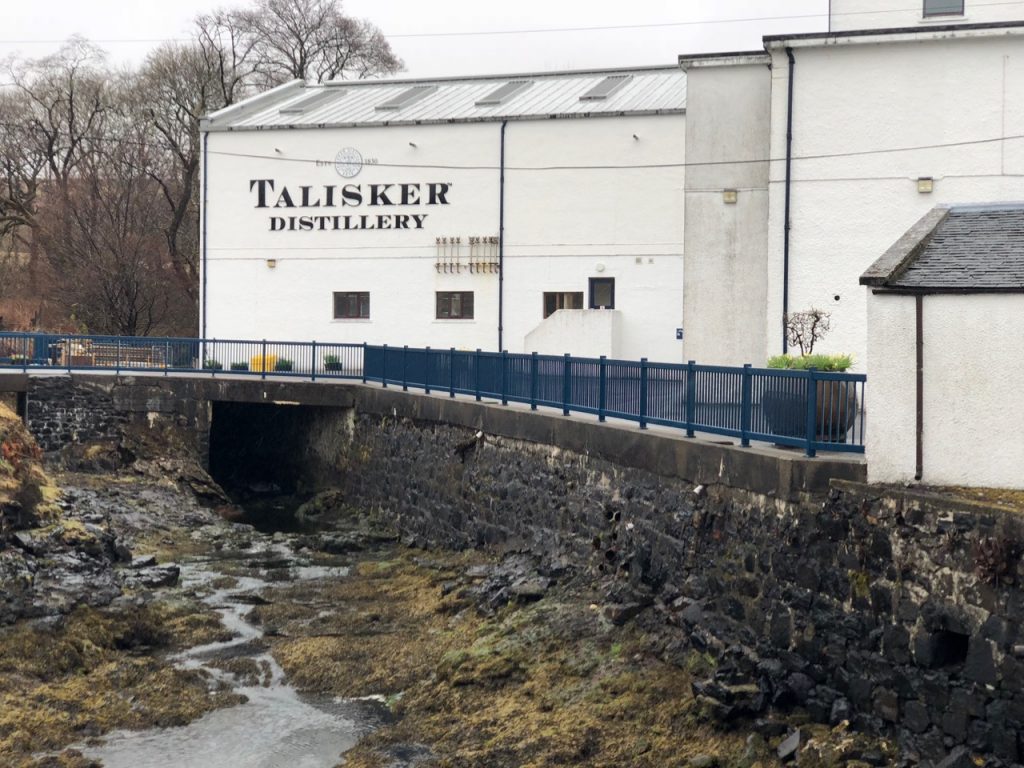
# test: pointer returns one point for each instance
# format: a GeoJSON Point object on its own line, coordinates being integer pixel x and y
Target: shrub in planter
{"type": "Point", "coordinates": [283, 364]}
{"type": "Point", "coordinates": [239, 366]}
{"type": "Point", "coordinates": [784, 400]}
{"type": "Point", "coordinates": [332, 363]}
{"type": "Point", "coordinates": [212, 365]}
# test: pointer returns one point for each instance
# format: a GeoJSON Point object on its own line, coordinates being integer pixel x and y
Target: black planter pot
{"type": "Point", "coordinates": [785, 409]}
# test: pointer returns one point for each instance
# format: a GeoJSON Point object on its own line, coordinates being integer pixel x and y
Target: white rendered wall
{"type": "Point", "coordinates": [890, 413]}
{"type": "Point", "coordinates": [725, 283]}
{"type": "Point", "coordinates": [848, 208]}
{"type": "Point", "coordinates": [587, 332]}
{"type": "Point", "coordinates": [881, 14]}
{"type": "Point", "coordinates": [562, 227]}
{"type": "Point", "coordinates": [972, 416]}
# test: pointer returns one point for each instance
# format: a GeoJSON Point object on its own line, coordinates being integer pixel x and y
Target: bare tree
{"type": "Point", "coordinates": [804, 329]}
{"type": "Point", "coordinates": [109, 249]}
{"type": "Point", "coordinates": [99, 169]}
{"type": "Point", "coordinates": [21, 166]}
{"type": "Point", "coordinates": [313, 40]}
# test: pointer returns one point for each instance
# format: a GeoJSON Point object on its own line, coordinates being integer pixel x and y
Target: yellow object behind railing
{"type": "Point", "coordinates": [256, 363]}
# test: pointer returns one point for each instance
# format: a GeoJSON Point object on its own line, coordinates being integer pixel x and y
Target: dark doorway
{"type": "Point", "coordinates": [602, 293]}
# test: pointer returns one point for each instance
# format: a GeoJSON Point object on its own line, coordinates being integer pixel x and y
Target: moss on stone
{"type": "Point", "coordinates": [88, 677]}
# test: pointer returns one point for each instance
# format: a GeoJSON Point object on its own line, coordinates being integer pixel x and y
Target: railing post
{"type": "Point", "coordinates": [602, 389]}
{"type": "Point", "coordinates": [384, 366]}
{"type": "Point", "coordinates": [534, 373]}
{"type": "Point", "coordinates": [405, 368]}
{"type": "Point", "coordinates": [566, 383]}
{"type": "Point", "coordinates": [691, 397]}
{"type": "Point", "coordinates": [477, 372]}
{"type": "Point", "coordinates": [451, 372]}
{"type": "Point", "coordinates": [426, 371]}
{"type": "Point", "coordinates": [812, 410]}
{"type": "Point", "coordinates": [643, 393]}
{"type": "Point", "coordinates": [746, 405]}
{"type": "Point", "coordinates": [263, 360]}
{"type": "Point", "coordinates": [504, 377]}
{"type": "Point", "coordinates": [117, 359]}
{"type": "Point", "coordinates": [365, 345]}
{"type": "Point", "coordinates": [71, 347]}
{"type": "Point", "coordinates": [167, 355]}
{"type": "Point", "coordinates": [312, 362]}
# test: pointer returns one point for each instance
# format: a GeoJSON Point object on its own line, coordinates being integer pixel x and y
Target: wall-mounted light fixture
{"type": "Point", "coordinates": [271, 263]}
{"type": "Point", "coordinates": [925, 185]}
{"type": "Point", "coordinates": [730, 196]}
{"type": "Point", "coordinates": [599, 267]}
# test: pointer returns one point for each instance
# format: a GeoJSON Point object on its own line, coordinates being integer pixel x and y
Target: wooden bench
{"type": "Point", "coordinates": [111, 355]}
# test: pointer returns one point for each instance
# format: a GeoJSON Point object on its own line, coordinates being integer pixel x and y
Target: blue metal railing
{"type": "Point", "coordinates": [811, 410]}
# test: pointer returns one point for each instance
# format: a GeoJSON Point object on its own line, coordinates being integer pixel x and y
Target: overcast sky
{"type": "Point", "coordinates": [687, 26]}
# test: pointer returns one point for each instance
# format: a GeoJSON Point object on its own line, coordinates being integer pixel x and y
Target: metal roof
{"type": "Point", "coordinates": [958, 248]}
{"type": "Point", "coordinates": [651, 90]}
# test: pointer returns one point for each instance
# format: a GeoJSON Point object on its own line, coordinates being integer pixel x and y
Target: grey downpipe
{"type": "Point", "coordinates": [501, 241]}
{"type": "Point", "coordinates": [206, 206]}
{"type": "Point", "coordinates": [787, 225]}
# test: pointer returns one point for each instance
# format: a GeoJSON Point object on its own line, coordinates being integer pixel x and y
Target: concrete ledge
{"type": "Point", "coordinates": [772, 472]}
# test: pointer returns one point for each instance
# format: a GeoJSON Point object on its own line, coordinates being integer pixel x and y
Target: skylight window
{"type": "Point", "coordinates": [606, 88]}
{"type": "Point", "coordinates": [310, 102]}
{"type": "Point", "coordinates": [504, 93]}
{"type": "Point", "coordinates": [407, 97]}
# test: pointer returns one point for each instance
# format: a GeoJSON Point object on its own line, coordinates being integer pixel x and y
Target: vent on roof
{"type": "Point", "coordinates": [310, 102]}
{"type": "Point", "coordinates": [503, 93]}
{"type": "Point", "coordinates": [407, 97]}
{"type": "Point", "coordinates": [606, 87]}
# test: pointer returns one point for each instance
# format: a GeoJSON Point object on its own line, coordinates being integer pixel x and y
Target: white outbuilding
{"type": "Point", "coordinates": [451, 213]}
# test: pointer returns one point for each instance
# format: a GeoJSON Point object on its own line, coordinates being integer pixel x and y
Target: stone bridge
{"type": "Point", "coordinates": [222, 413]}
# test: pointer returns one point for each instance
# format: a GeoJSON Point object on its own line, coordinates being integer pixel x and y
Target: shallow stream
{"type": "Point", "coordinates": [277, 727]}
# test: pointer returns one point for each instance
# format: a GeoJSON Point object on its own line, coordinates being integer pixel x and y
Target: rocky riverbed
{"type": "Point", "coordinates": [141, 618]}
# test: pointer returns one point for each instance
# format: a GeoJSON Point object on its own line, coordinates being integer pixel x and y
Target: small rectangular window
{"type": "Point", "coordinates": [503, 93]}
{"type": "Point", "coordinates": [602, 293]}
{"type": "Point", "coordinates": [606, 88]}
{"type": "Point", "coordinates": [562, 300]}
{"type": "Point", "coordinates": [350, 305]}
{"type": "Point", "coordinates": [454, 305]}
{"type": "Point", "coordinates": [407, 97]}
{"type": "Point", "coordinates": [943, 8]}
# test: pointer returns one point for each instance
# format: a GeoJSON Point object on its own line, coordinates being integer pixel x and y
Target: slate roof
{"type": "Point", "coordinates": [346, 103]}
{"type": "Point", "coordinates": [959, 248]}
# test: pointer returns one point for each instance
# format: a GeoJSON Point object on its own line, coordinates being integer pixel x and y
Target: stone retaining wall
{"type": "Point", "coordinates": [60, 411]}
{"type": "Point", "coordinates": [896, 611]}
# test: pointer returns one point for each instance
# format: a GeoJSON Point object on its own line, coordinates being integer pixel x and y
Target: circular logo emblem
{"type": "Point", "coordinates": [348, 163]}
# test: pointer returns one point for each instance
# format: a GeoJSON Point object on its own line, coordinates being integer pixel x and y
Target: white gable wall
{"type": "Point", "coordinates": [886, 14]}
{"type": "Point", "coordinates": [849, 207]}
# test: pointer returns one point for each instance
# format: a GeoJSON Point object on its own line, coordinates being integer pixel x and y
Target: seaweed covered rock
{"type": "Point", "coordinates": [26, 496]}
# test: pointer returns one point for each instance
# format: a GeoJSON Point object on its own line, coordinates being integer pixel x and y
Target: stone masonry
{"type": "Point", "coordinates": [896, 611]}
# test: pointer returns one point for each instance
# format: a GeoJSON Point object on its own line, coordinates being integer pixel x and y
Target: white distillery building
{"type": "Point", "coordinates": [451, 213]}
{"type": "Point", "coordinates": [465, 212]}
{"type": "Point", "coordinates": [865, 128]}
